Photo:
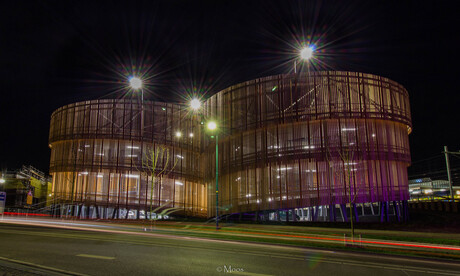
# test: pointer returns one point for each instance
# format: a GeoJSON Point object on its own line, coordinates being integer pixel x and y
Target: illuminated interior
{"type": "Point", "coordinates": [285, 142]}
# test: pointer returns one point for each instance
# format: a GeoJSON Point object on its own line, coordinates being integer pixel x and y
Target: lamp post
{"type": "Point", "coordinates": [136, 83]}
{"type": "Point", "coordinates": [195, 104]}
{"type": "Point", "coordinates": [305, 54]}
{"type": "Point", "coordinates": [3, 196]}
{"type": "Point", "coordinates": [213, 126]}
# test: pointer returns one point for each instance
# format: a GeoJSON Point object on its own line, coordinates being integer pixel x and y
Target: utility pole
{"type": "Point", "coordinates": [446, 153]}
{"type": "Point", "coordinates": [217, 182]}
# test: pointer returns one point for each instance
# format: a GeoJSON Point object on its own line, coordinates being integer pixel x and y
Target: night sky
{"type": "Point", "coordinates": [53, 53]}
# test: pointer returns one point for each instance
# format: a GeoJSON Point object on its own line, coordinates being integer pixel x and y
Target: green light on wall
{"type": "Point", "coordinates": [274, 88]}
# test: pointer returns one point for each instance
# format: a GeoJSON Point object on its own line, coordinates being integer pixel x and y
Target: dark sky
{"type": "Point", "coordinates": [54, 53]}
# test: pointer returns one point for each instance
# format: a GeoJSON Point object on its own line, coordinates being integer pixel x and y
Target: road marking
{"type": "Point", "coordinates": [411, 268]}
{"type": "Point", "coordinates": [249, 273]}
{"type": "Point", "coordinates": [64, 272]}
{"type": "Point", "coordinates": [95, 256]}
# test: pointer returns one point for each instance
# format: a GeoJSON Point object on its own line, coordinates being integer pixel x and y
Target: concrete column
{"type": "Point", "coordinates": [387, 211]}
{"type": "Point", "coordinates": [114, 213]}
{"type": "Point", "coordinates": [343, 209]}
{"type": "Point", "coordinates": [79, 209]}
{"type": "Point", "coordinates": [314, 214]}
{"type": "Point", "coordinates": [396, 208]}
{"type": "Point", "coordinates": [355, 211]}
{"type": "Point", "coordinates": [331, 212]}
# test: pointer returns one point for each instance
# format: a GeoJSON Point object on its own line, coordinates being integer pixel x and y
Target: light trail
{"type": "Point", "coordinates": [280, 252]}
{"type": "Point", "coordinates": [25, 214]}
{"type": "Point", "coordinates": [93, 227]}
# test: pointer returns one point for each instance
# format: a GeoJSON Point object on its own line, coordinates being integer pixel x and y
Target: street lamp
{"type": "Point", "coordinates": [2, 181]}
{"type": "Point", "coordinates": [195, 104]}
{"type": "Point", "coordinates": [305, 54]}
{"type": "Point", "coordinates": [3, 195]}
{"type": "Point", "coordinates": [136, 83]}
{"type": "Point", "coordinates": [212, 126]}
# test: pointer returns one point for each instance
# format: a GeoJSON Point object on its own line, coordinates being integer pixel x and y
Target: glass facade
{"type": "Point", "coordinates": [101, 153]}
{"type": "Point", "coordinates": [310, 139]}
{"type": "Point", "coordinates": [285, 142]}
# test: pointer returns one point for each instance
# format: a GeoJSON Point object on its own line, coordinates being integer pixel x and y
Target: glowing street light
{"type": "Point", "coordinates": [135, 83]}
{"type": "Point", "coordinates": [212, 125]}
{"type": "Point", "coordinates": [305, 54]}
{"type": "Point", "coordinates": [2, 181]}
{"type": "Point", "coordinates": [195, 104]}
{"type": "Point", "coordinates": [178, 134]}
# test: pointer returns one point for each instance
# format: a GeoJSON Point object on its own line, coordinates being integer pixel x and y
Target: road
{"type": "Point", "coordinates": [55, 251]}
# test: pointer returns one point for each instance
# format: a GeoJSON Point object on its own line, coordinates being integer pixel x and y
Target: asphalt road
{"type": "Point", "coordinates": [63, 251]}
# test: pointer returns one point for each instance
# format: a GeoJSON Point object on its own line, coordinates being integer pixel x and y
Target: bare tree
{"type": "Point", "coordinates": [345, 149]}
{"type": "Point", "coordinates": [347, 156]}
{"type": "Point", "coordinates": [157, 162]}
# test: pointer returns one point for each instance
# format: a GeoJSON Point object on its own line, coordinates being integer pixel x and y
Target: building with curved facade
{"type": "Point", "coordinates": [303, 146]}
{"type": "Point", "coordinates": [116, 158]}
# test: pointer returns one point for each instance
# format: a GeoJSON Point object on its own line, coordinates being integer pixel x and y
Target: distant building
{"type": "Point", "coordinates": [27, 187]}
{"type": "Point", "coordinates": [299, 146]}
{"type": "Point", "coordinates": [428, 189]}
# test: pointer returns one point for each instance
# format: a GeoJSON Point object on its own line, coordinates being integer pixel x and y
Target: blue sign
{"type": "Point", "coordinates": [2, 202]}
